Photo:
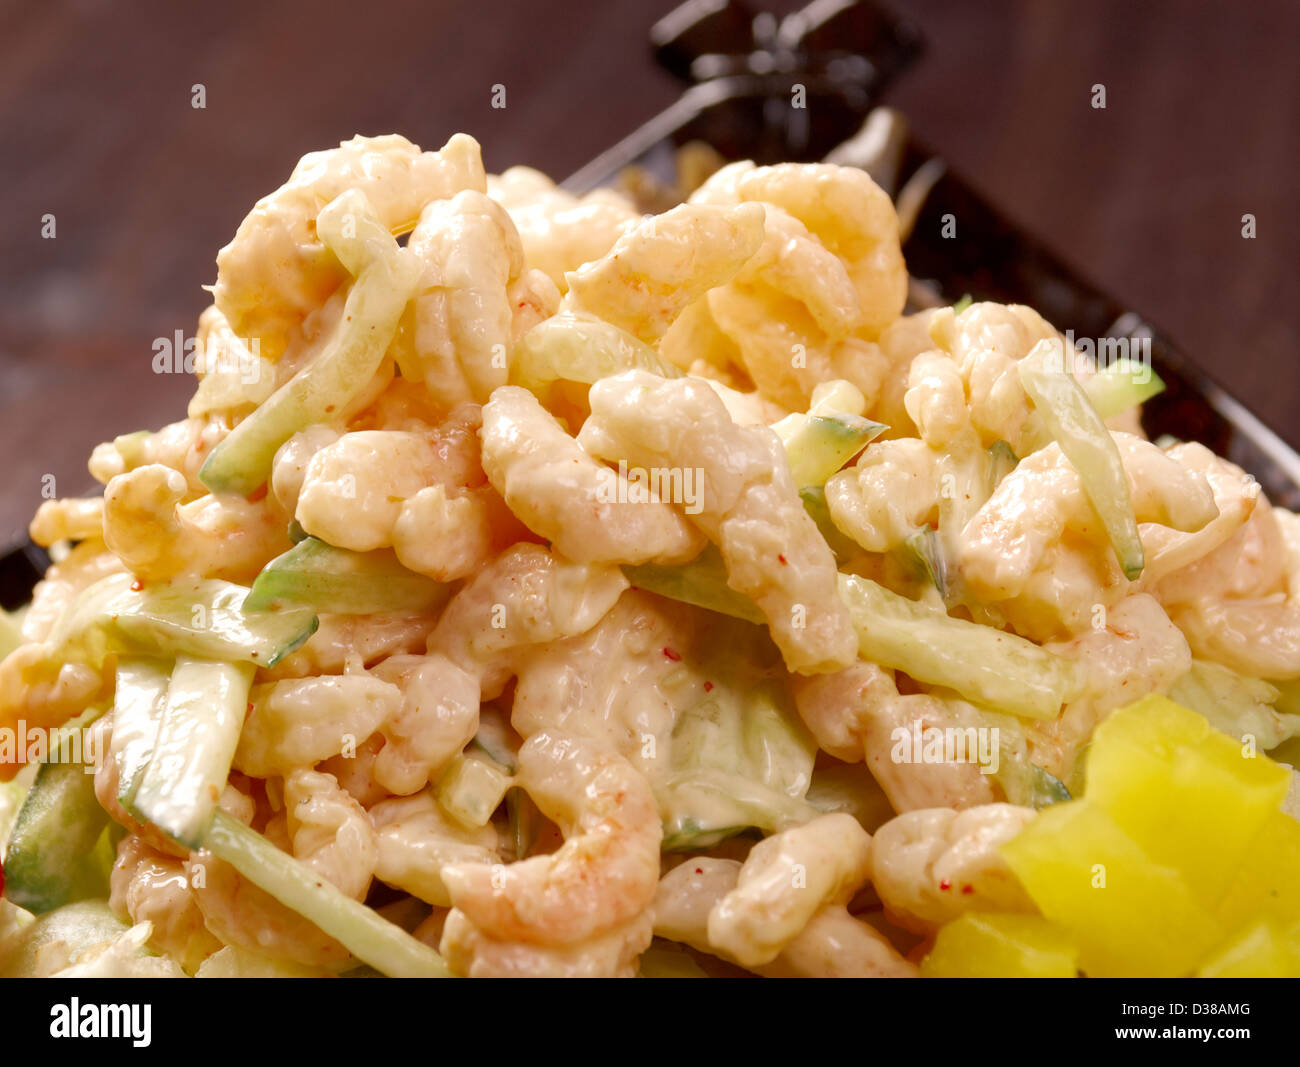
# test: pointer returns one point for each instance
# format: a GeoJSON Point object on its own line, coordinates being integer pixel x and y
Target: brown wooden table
{"type": "Point", "coordinates": [1202, 125]}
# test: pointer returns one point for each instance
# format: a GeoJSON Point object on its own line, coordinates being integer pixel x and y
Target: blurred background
{"type": "Point", "coordinates": [97, 129]}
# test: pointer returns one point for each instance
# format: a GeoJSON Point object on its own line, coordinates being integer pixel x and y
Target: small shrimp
{"type": "Point", "coordinates": [68, 519]}
{"type": "Point", "coordinates": [832, 944]}
{"type": "Point", "coordinates": [931, 865]}
{"type": "Point", "coordinates": [157, 536]}
{"type": "Point", "coordinates": [298, 723]}
{"type": "Point", "coordinates": [888, 494]}
{"type": "Point", "coordinates": [330, 831]}
{"type": "Point", "coordinates": [183, 446]}
{"type": "Point", "coordinates": [437, 718]}
{"type": "Point", "coordinates": [612, 954]}
{"type": "Point", "coordinates": [560, 232]}
{"type": "Point", "coordinates": [784, 881]}
{"type": "Point", "coordinates": [564, 494]}
{"type": "Point", "coordinates": [147, 886]}
{"type": "Point", "coordinates": [40, 688]}
{"type": "Point", "coordinates": [747, 503]}
{"type": "Point", "coordinates": [526, 596]}
{"type": "Point", "coordinates": [54, 594]}
{"type": "Point", "coordinates": [345, 638]}
{"type": "Point", "coordinates": [276, 270]}
{"type": "Point", "coordinates": [417, 841]}
{"type": "Point", "coordinates": [605, 873]}
{"type": "Point", "coordinates": [658, 268]}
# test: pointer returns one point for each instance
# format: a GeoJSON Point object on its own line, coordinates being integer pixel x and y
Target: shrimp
{"type": "Point", "coordinates": [183, 446]}
{"type": "Point", "coordinates": [1137, 651]}
{"type": "Point", "coordinates": [931, 865]}
{"type": "Point", "coordinates": [603, 876]}
{"type": "Point", "coordinates": [857, 713]}
{"type": "Point", "coordinates": [585, 509]}
{"type": "Point", "coordinates": [611, 954]}
{"type": "Point", "coordinates": [526, 596]}
{"type": "Point", "coordinates": [656, 269]}
{"type": "Point", "coordinates": [330, 831]}
{"type": "Point", "coordinates": [832, 944]}
{"type": "Point", "coordinates": [342, 639]}
{"type": "Point", "coordinates": [298, 723]}
{"type": "Point", "coordinates": [147, 886]}
{"type": "Point", "coordinates": [747, 503]}
{"type": "Point", "coordinates": [437, 718]}
{"type": "Point", "coordinates": [1034, 506]}
{"type": "Point", "coordinates": [68, 519]}
{"type": "Point", "coordinates": [158, 537]}
{"type": "Point", "coordinates": [560, 232]}
{"type": "Point", "coordinates": [470, 258]}
{"type": "Point", "coordinates": [40, 688]}
{"type": "Point", "coordinates": [417, 841]}
{"type": "Point", "coordinates": [289, 468]}
{"type": "Point", "coordinates": [888, 494]}
{"type": "Point", "coordinates": [86, 564]}
{"type": "Point", "coordinates": [784, 881]}
{"type": "Point", "coordinates": [276, 270]}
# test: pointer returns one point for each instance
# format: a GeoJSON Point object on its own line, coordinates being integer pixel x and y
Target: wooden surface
{"type": "Point", "coordinates": [97, 129]}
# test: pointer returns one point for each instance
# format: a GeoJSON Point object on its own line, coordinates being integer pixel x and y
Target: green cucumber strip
{"type": "Point", "coordinates": [138, 702]}
{"type": "Point", "coordinates": [323, 578]}
{"type": "Point", "coordinates": [1002, 461]}
{"type": "Point", "coordinates": [206, 705]}
{"type": "Point", "coordinates": [1121, 385]}
{"type": "Point", "coordinates": [194, 617]}
{"type": "Point", "coordinates": [523, 816]}
{"type": "Point", "coordinates": [986, 666]}
{"type": "Point", "coordinates": [73, 927]}
{"type": "Point", "coordinates": [687, 835]}
{"type": "Point", "coordinates": [1087, 444]}
{"type": "Point", "coordinates": [817, 446]}
{"type": "Point", "coordinates": [52, 858]}
{"type": "Point", "coordinates": [296, 532]}
{"type": "Point", "coordinates": [242, 461]}
{"type": "Point", "coordinates": [496, 740]}
{"type": "Point", "coordinates": [814, 502]}
{"type": "Point", "coordinates": [580, 348]}
{"type": "Point", "coordinates": [1235, 704]}
{"type": "Point", "coordinates": [963, 304]}
{"type": "Point", "coordinates": [372, 939]}
{"type": "Point", "coordinates": [1047, 789]}
{"type": "Point", "coordinates": [663, 959]}
{"type": "Point", "coordinates": [925, 550]}
{"type": "Point", "coordinates": [702, 582]}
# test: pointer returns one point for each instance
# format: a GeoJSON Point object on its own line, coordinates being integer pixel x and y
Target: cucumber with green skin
{"type": "Point", "coordinates": [818, 446]}
{"type": "Point", "coordinates": [1075, 425]}
{"type": "Point", "coordinates": [368, 936]}
{"type": "Point", "coordinates": [187, 616]}
{"type": "Point", "coordinates": [989, 667]}
{"type": "Point", "coordinates": [1122, 385]}
{"type": "Point", "coordinates": [319, 576]}
{"type": "Point", "coordinates": [72, 928]}
{"type": "Point", "coordinates": [702, 582]}
{"type": "Point", "coordinates": [580, 348]}
{"type": "Point", "coordinates": [814, 502]}
{"type": "Point", "coordinates": [204, 713]}
{"type": "Point", "coordinates": [52, 858]}
{"type": "Point", "coordinates": [1002, 461]}
{"type": "Point", "coordinates": [138, 701]}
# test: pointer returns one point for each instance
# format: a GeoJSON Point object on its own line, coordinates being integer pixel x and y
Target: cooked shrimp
{"type": "Point", "coordinates": [417, 840]}
{"type": "Point", "coordinates": [611, 954]}
{"type": "Point", "coordinates": [604, 874]}
{"type": "Point", "coordinates": [330, 831]}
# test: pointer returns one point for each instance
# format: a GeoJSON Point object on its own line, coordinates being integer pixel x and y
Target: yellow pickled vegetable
{"type": "Point", "coordinates": [1261, 952]}
{"type": "Point", "coordinates": [1001, 946]}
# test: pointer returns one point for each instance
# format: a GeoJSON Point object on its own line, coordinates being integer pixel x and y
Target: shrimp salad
{"type": "Point", "coordinates": [535, 587]}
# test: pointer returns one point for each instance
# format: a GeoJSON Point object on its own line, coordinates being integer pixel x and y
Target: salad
{"type": "Point", "coordinates": [536, 587]}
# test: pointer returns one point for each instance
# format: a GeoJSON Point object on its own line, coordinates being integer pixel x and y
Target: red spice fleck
{"type": "Point", "coordinates": [673, 655]}
{"type": "Point", "coordinates": [782, 558]}
{"type": "Point", "coordinates": [699, 870]}
{"type": "Point", "coordinates": [137, 585]}
{"type": "Point", "coordinates": [945, 885]}
{"type": "Point", "coordinates": [708, 687]}
{"type": "Point", "coordinates": [968, 889]}
{"type": "Point", "coordinates": [329, 408]}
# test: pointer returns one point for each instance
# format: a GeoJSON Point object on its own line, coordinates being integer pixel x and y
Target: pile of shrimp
{"type": "Point", "coordinates": [764, 284]}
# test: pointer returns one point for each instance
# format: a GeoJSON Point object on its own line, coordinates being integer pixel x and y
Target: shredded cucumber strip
{"type": "Point", "coordinates": [242, 462]}
{"type": "Point", "coordinates": [1087, 444]}
{"type": "Point", "coordinates": [195, 617]}
{"type": "Point", "coordinates": [986, 666]}
{"type": "Point", "coordinates": [324, 578]}
{"type": "Point", "coordinates": [138, 702]}
{"type": "Point", "coordinates": [368, 936]}
{"type": "Point", "coordinates": [1122, 385]}
{"type": "Point", "coordinates": [205, 708]}
{"type": "Point", "coordinates": [702, 582]}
